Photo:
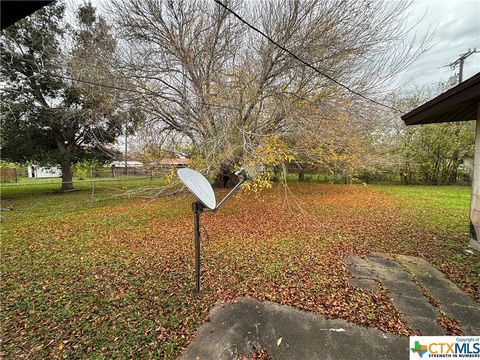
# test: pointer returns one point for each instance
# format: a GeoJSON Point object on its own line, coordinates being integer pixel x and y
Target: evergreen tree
{"type": "Point", "coordinates": [51, 111]}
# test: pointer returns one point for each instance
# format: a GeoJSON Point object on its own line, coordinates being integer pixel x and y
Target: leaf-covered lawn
{"type": "Point", "coordinates": [116, 279]}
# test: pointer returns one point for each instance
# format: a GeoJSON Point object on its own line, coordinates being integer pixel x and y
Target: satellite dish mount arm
{"type": "Point", "coordinates": [242, 175]}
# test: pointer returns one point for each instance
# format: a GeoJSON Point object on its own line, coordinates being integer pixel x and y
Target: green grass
{"type": "Point", "coordinates": [426, 197]}
{"type": "Point", "coordinates": [318, 178]}
{"type": "Point", "coordinates": [444, 206]}
{"type": "Point", "coordinates": [29, 186]}
{"type": "Point", "coordinates": [40, 197]}
{"type": "Point", "coordinates": [112, 278]}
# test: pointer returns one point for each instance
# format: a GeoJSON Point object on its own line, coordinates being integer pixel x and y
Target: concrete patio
{"type": "Point", "coordinates": [287, 333]}
{"type": "Point", "coordinates": [408, 280]}
{"type": "Point", "coordinates": [236, 329]}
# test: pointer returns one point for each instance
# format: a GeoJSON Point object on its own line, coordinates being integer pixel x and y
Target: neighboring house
{"type": "Point", "coordinates": [167, 164]}
{"type": "Point", "coordinates": [130, 167]}
{"type": "Point", "coordinates": [134, 167]}
{"type": "Point", "coordinates": [48, 171]}
{"type": "Point", "coordinates": [176, 163]}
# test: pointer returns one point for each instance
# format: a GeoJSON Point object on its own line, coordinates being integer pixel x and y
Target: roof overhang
{"type": "Point", "coordinates": [12, 11]}
{"type": "Point", "coordinates": [460, 103]}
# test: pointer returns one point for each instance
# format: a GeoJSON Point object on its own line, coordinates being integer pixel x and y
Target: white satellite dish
{"type": "Point", "coordinates": [198, 186]}
{"type": "Point", "coordinates": [203, 191]}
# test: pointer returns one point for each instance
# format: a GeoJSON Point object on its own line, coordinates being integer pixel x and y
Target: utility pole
{"type": "Point", "coordinates": [460, 61]}
{"type": "Point", "coordinates": [126, 145]}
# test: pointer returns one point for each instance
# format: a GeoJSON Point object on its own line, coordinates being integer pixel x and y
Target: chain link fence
{"type": "Point", "coordinates": [44, 194]}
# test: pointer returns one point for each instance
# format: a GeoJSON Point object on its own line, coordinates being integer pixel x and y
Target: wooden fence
{"type": "Point", "coordinates": [8, 175]}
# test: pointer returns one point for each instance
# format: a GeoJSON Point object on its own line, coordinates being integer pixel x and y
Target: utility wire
{"type": "Point", "coordinates": [115, 87]}
{"type": "Point", "coordinates": [303, 61]}
{"type": "Point", "coordinates": [147, 92]}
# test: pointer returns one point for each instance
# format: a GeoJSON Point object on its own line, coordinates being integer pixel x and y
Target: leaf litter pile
{"type": "Point", "coordinates": [116, 280]}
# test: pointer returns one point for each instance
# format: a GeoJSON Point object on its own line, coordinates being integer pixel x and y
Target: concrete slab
{"type": "Point", "coordinates": [467, 316]}
{"type": "Point", "coordinates": [406, 296]}
{"type": "Point", "coordinates": [409, 289]}
{"type": "Point", "coordinates": [426, 326]}
{"type": "Point", "coordinates": [445, 291]}
{"type": "Point", "coordinates": [383, 262]}
{"type": "Point", "coordinates": [392, 275]}
{"type": "Point", "coordinates": [356, 260]}
{"type": "Point", "coordinates": [287, 333]}
{"type": "Point", "coordinates": [367, 284]}
{"type": "Point", "coordinates": [236, 328]}
{"type": "Point", "coordinates": [471, 331]}
{"type": "Point", "coordinates": [418, 266]}
{"type": "Point", "coordinates": [412, 306]}
{"type": "Point", "coordinates": [362, 272]}
{"type": "Point", "coordinates": [450, 299]}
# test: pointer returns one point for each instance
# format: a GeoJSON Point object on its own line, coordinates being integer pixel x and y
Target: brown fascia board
{"type": "Point", "coordinates": [456, 104]}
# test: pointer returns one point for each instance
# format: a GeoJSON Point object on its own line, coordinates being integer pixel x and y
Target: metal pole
{"type": "Point", "coordinates": [460, 61]}
{"type": "Point", "coordinates": [126, 146]}
{"type": "Point", "coordinates": [460, 74]}
{"type": "Point", "coordinates": [197, 209]}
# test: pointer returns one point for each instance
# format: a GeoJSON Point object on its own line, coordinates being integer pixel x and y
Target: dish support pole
{"type": "Point", "coordinates": [197, 208]}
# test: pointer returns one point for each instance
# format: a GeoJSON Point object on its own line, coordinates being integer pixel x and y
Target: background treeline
{"type": "Point", "coordinates": [186, 77]}
{"type": "Point", "coordinates": [434, 154]}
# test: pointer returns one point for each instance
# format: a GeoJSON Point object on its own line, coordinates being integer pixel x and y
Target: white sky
{"type": "Point", "coordinates": [457, 24]}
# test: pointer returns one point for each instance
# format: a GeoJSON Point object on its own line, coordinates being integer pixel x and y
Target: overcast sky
{"type": "Point", "coordinates": [457, 24]}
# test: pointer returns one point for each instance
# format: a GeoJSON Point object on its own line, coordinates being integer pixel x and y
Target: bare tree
{"type": "Point", "coordinates": [212, 82]}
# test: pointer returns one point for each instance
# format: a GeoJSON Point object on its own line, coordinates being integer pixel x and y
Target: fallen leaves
{"type": "Point", "coordinates": [256, 354]}
{"type": "Point", "coordinates": [117, 280]}
{"type": "Point", "coordinates": [450, 326]}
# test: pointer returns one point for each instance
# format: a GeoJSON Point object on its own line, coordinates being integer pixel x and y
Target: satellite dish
{"type": "Point", "coordinates": [198, 186]}
{"type": "Point", "coordinates": [201, 188]}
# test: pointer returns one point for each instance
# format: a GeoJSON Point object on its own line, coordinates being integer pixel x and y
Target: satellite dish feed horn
{"type": "Point", "coordinates": [200, 187]}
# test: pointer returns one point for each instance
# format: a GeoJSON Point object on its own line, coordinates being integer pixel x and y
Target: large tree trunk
{"type": "Point", "coordinates": [301, 175]}
{"type": "Point", "coordinates": [67, 175]}
{"type": "Point", "coordinates": [225, 178]}
{"type": "Point", "coordinates": [64, 159]}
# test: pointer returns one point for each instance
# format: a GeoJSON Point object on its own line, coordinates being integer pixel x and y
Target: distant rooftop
{"type": "Point", "coordinates": [130, 163]}
{"type": "Point", "coordinates": [178, 161]}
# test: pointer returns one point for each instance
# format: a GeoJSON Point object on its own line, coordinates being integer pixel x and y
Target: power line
{"type": "Point", "coordinates": [115, 87]}
{"type": "Point", "coordinates": [303, 61]}
{"type": "Point", "coordinates": [148, 92]}
{"type": "Point", "coordinates": [460, 61]}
